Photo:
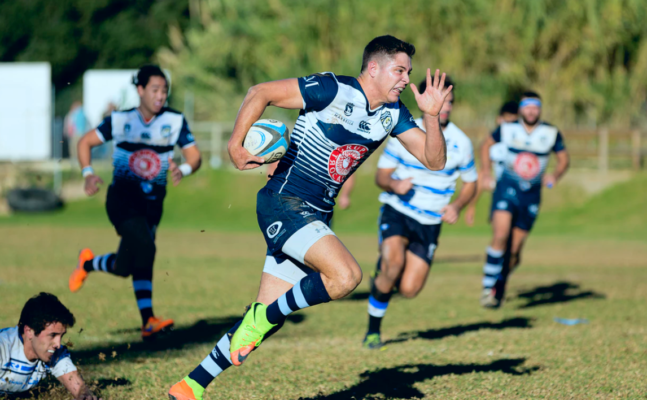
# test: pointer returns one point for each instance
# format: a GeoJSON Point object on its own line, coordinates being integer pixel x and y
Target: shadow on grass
{"type": "Point", "coordinates": [560, 292]}
{"type": "Point", "coordinates": [433, 334]}
{"type": "Point", "coordinates": [50, 389]}
{"type": "Point", "coordinates": [203, 331]}
{"type": "Point", "coordinates": [398, 382]}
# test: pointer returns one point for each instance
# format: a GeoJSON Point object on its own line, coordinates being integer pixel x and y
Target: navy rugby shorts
{"type": "Point", "coordinates": [523, 205]}
{"type": "Point", "coordinates": [423, 239]}
{"type": "Point", "coordinates": [290, 227]}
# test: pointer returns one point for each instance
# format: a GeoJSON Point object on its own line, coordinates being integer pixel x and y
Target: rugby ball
{"type": "Point", "coordinates": [268, 138]}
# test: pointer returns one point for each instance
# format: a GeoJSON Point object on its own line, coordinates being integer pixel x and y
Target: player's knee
{"type": "Point", "coordinates": [409, 290]}
{"type": "Point", "coordinates": [345, 281]}
{"type": "Point", "coordinates": [393, 265]}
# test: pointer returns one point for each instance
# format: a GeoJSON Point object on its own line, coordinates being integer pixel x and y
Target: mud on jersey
{"type": "Point", "coordinates": [527, 153]}
{"type": "Point", "coordinates": [142, 149]}
{"type": "Point", "coordinates": [17, 374]}
{"type": "Point", "coordinates": [432, 190]}
{"type": "Point", "coordinates": [334, 134]}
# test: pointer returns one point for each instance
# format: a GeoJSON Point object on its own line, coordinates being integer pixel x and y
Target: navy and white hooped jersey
{"type": "Point", "coordinates": [17, 373]}
{"type": "Point", "coordinates": [334, 134]}
{"type": "Point", "coordinates": [142, 149]}
{"type": "Point", "coordinates": [527, 153]}
{"type": "Point", "coordinates": [432, 190]}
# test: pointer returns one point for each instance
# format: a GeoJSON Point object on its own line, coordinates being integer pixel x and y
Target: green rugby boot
{"type": "Point", "coordinates": [250, 333]}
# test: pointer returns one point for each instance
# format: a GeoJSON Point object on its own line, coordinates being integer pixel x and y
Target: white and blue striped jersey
{"type": "Point", "coordinates": [334, 134]}
{"type": "Point", "coordinates": [527, 153]}
{"type": "Point", "coordinates": [142, 149]}
{"type": "Point", "coordinates": [17, 373]}
{"type": "Point", "coordinates": [432, 190]}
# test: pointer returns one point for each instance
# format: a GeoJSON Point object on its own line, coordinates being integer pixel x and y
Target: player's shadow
{"type": "Point", "coordinates": [356, 296]}
{"type": "Point", "coordinates": [560, 292]}
{"type": "Point", "coordinates": [434, 334]}
{"type": "Point", "coordinates": [203, 331]}
{"type": "Point", "coordinates": [398, 382]}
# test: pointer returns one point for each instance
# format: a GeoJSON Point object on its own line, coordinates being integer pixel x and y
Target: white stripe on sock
{"type": "Point", "coordinates": [492, 269]}
{"type": "Point", "coordinates": [376, 312]}
{"type": "Point", "coordinates": [494, 253]}
{"type": "Point", "coordinates": [223, 345]}
{"type": "Point", "coordinates": [104, 260]}
{"type": "Point", "coordinates": [488, 282]}
{"type": "Point", "coordinates": [210, 366]}
{"type": "Point", "coordinates": [283, 306]}
{"type": "Point", "coordinates": [298, 296]}
{"type": "Point", "coordinates": [95, 263]}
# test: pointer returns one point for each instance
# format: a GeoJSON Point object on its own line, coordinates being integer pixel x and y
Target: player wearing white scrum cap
{"type": "Point", "coordinates": [32, 349]}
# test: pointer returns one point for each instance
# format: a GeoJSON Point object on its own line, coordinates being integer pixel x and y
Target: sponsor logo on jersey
{"type": "Point", "coordinates": [127, 128]}
{"type": "Point", "coordinates": [166, 131]}
{"type": "Point", "coordinates": [364, 126]}
{"type": "Point", "coordinates": [274, 229]}
{"type": "Point", "coordinates": [145, 164]}
{"type": "Point", "coordinates": [343, 159]}
{"type": "Point", "coordinates": [387, 120]}
{"type": "Point", "coordinates": [527, 166]}
{"type": "Point", "coordinates": [343, 119]}
{"type": "Point", "coordinates": [146, 135]}
{"type": "Point", "coordinates": [349, 109]}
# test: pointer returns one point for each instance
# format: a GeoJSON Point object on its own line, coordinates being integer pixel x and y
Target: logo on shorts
{"type": "Point", "coordinates": [145, 164]}
{"type": "Point", "coordinates": [343, 159]}
{"type": "Point", "coordinates": [502, 205]}
{"type": "Point", "coordinates": [384, 227]}
{"type": "Point", "coordinates": [431, 251]}
{"type": "Point", "coordinates": [527, 166]}
{"type": "Point", "coordinates": [533, 209]}
{"type": "Point", "coordinates": [306, 213]}
{"type": "Point", "coordinates": [274, 229]}
{"type": "Point", "coordinates": [147, 187]}
{"type": "Point", "coordinates": [349, 109]}
{"type": "Point", "coordinates": [387, 120]}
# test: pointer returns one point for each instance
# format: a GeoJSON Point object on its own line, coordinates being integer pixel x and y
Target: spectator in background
{"type": "Point", "coordinates": [74, 127]}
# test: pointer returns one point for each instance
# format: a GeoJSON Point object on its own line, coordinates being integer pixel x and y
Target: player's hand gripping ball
{"type": "Point", "coordinates": [269, 139]}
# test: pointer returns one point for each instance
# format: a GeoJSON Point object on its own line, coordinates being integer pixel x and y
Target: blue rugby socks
{"type": "Point", "coordinates": [216, 362]}
{"type": "Point", "coordinates": [308, 292]}
{"type": "Point", "coordinates": [377, 305]}
{"type": "Point", "coordinates": [103, 263]}
{"type": "Point", "coordinates": [493, 268]}
{"type": "Point", "coordinates": [143, 286]}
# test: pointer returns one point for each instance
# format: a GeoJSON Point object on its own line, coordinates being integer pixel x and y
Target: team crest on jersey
{"type": "Point", "coordinates": [349, 109]}
{"type": "Point", "coordinates": [527, 166]}
{"type": "Point", "coordinates": [166, 131]}
{"type": "Point", "coordinates": [343, 159]}
{"type": "Point", "coordinates": [387, 120]}
{"type": "Point", "coordinates": [145, 164]}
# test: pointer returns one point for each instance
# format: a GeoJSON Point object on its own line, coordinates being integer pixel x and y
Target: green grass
{"type": "Point", "coordinates": [586, 259]}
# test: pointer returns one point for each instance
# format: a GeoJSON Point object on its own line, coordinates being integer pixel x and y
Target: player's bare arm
{"type": "Point", "coordinates": [284, 94]}
{"type": "Point", "coordinates": [486, 163]}
{"type": "Point", "coordinates": [384, 180]}
{"type": "Point", "coordinates": [84, 151]}
{"type": "Point", "coordinates": [563, 162]}
{"type": "Point", "coordinates": [193, 161]}
{"type": "Point", "coordinates": [74, 383]}
{"type": "Point", "coordinates": [452, 210]}
{"type": "Point", "coordinates": [430, 147]}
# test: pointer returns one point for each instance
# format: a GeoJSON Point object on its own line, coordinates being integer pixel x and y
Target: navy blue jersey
{"type": "Point", "coordinates": [141, 149]}
{"type": "Point", "coordinates": [527, 153]}
{"type": "Point", "coordinates": [334, 134]}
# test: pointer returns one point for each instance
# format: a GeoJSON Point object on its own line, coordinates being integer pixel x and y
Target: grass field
{"type": "Point", "coordinates": [587, 259]}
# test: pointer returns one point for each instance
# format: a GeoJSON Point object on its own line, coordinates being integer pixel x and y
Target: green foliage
{"type": "Point", "coordinates": [75, 35]}
{"type": "Point", "coordinates": [588, 59]}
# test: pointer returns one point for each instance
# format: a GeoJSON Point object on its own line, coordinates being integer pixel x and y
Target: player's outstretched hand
{"type": "Point", "coordinates": [242, 159]}
{"type": "Point", "coordinates": [470, 214]}
{"type": "Point", "coordinates": [450, 214]}
{"type": "Point", "coordinates": [176, 174]}
{"type": "Point", "coordinates": [401, 186]}
{"type": "Point", "coordinates": [431, 101]}
{"type": "Point", "coordinates": [92, 183]}
{"type": "Point", "coordinates": [343, 202]}
{"type": "Point", "coordinates": [549, 180]}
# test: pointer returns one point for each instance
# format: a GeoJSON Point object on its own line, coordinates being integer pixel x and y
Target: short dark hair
{"type": "Point", "coordinates": [530, 94]}
{"type": "Point", "coordinates": [42, 310]}
{"type": "Point", "coordinates": [448, 82]}
{"type": "Point", "coordinates": [385, 45]}
{"type": "Point", "coordinates": [145, 73]}
{"type": "Point", "coordinates": [510, 107]}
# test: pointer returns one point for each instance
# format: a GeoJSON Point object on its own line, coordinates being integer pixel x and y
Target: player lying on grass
{"type": "Point", "coordinates": [516, 199]}
{"type": "Point", "coordinates": [416, 203]}
{"type": "Point", "coordinates": [144, 138]}
{"type": "Point", "coordinates": [33, 349]}
{"type": "Point", "coordinates": [507, 113]}
{"type": "Point", "coordinates": [342, 122]}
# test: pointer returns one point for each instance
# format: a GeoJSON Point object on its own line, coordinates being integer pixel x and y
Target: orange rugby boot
{"type": "Point", "coordinates": [155, 326]}
{"type": "Point", "coordinates": [79, 275]}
